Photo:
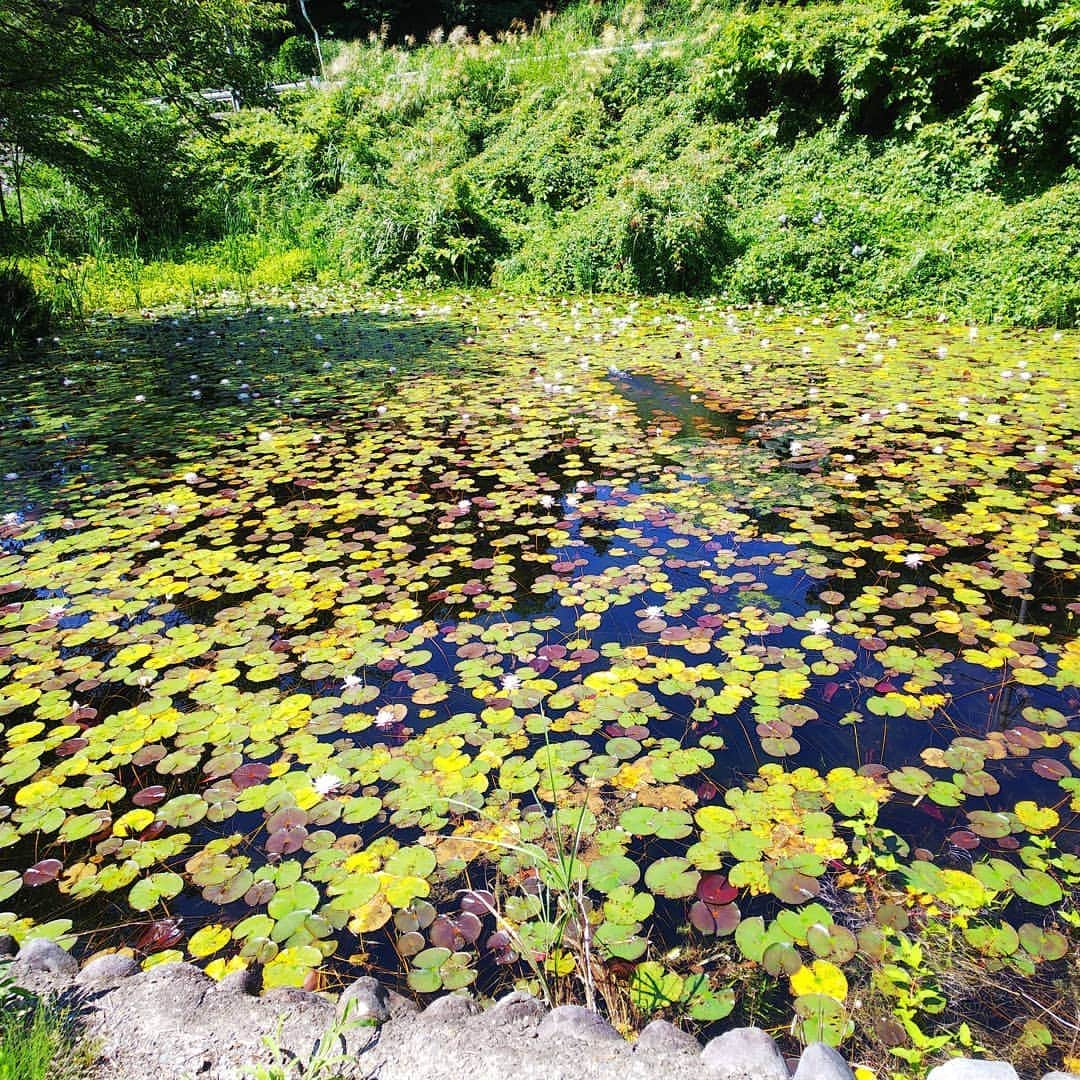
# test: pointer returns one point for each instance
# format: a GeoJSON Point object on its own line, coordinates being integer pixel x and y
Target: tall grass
{"type": "Point", "coordinates": [36, 1040]}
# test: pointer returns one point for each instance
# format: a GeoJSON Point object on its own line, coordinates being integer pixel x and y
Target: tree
{"type": "Point", "coordinates": [64, 63]}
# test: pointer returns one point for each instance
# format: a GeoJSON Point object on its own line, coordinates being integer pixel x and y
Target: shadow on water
{"type": "Point", "coordinates": [131, 396]}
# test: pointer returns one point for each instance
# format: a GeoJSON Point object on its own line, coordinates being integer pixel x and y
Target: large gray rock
{"type": "Point", "coordinates": [40, 954]}
{"type": "Point", "coordinates": [822, 1062]}
{"type": "Point", "coordinates": [451, 1007]}
{"type": "Point", "coordinates": [660, 1037]}
{"type": "Point", "coordinates": [401, 1007]}
{"type": "Point", "coordinates": [744, 1054]}
{"type": "Point", "coordinates": [247, 980]}
{"type": "Point", "coordinates": [575, 1022]}
{"type": "Point", "coordinates": [174, 1021]}
{"type": "Point", "coordinates": [106, 970]}
{"type": "Point", "coordinates": [516, 1012]}
{"type": "Point", "coordinates": [365, 999]}
{"type": "Point", "coordinates": [971, 1069]}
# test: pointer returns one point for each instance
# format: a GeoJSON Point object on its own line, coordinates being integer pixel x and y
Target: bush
{"type": "Point", "coordinates": [23, 315]}
{"type": "Point", "coordinates": [428, 236]}
{"type": "Point", "coordinates": [283, 268]}
{"type": "Point", "coordinates": [652, 235]}
{"type": "Point", "coordinates": [296, 59]}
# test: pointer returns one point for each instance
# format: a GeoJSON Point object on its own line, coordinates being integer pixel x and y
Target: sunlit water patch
{"type": "Point", "coordinates": [326, 628]}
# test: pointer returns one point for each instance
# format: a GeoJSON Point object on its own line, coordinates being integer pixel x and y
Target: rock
{"type": "Point", "coordinates": [451, 1007]}
{"type": "Point", "coordinates": [660, 1037]}
{"type": "Point", "coordinates": [517, 1012]}
{"type": "Point", "coordinates": [401, 1006]}
{"type": "Point", "coordinates": [40, 954]}
{"type": "Point", "coordinates": [245, 981]}
{"type": "Point", "coordinates": [575, 1022]}
{"type": "Point", "coordinates": [372, 1001]}
{"type": "Point", "coordinates": [110, 968]}
{"type": "Point", "coordinates": [1060, 1076]}
{"type": "Point", "coordinates": [8, 945]}
{"type": "Point", "coordinates": [745, 1054]}
{"type": "Point", "coordinates": [296, 998]}
{"type": "Point", "coordinates": [821, 1062]}
{"type": "Point", "coordinates": [971, 1069]}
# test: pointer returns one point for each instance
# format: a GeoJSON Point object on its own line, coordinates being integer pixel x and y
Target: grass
{"type": "Point", "coordinates": [36, 1040]}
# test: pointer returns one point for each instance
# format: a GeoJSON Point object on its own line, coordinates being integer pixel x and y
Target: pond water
{"type": "Point", "coordinates": [326, 626]}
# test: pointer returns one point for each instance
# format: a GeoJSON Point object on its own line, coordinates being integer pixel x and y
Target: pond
{"type": "Point", "coordinates": [699, 661]}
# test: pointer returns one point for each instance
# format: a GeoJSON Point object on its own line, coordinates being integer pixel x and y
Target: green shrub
{"type": "Point", "coordinates": [296, 59]}
{"type": "Point", "coordinates": [652, 235]}
{"type": "Point", "coordinates": [283, 267]}
{"type": "Point", "coordinates": [430, 236]}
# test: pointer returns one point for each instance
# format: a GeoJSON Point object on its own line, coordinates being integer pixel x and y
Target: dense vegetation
{"type": "Point", "coordinates": [902, 155]}
{"type": "Point", "coordinates": [698, 658]}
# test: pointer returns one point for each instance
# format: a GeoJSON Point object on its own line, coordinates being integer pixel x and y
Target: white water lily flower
{"type": "Point", "coordinates": [914, 558]}
{"type": "Point", "coordinates": [511, 682]}
{"type": "Point", "coordinates": [654, 612]}
{"type": "Point", "coordinates": [572, 500]}
{"type": "Point", "coordinates": [326, 784]}
{"type": "Point", "coordinates": [796, 448]}
{"type": "Point", "coordinates": [386, 716]}
{"type": "Point", "coordinates": [464, 505]}
{"type": "Point", "coordinates": [820, 625]}
{"type": "Point", "coordinates": [1064, 509]}
{"type": "Point", "coordinates": [351, 682]}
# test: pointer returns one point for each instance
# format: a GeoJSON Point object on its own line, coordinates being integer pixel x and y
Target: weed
{"type": "Point", "coordinates": [36, 1040]}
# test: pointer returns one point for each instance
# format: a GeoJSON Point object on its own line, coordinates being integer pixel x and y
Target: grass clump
{"type": "Point", "coordinates": [36, 1041]}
